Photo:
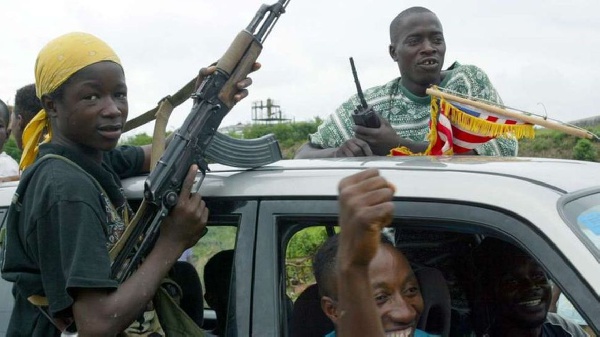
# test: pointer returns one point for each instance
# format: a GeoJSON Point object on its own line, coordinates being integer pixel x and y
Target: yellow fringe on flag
{"type": "Point", "coordinates": [401, 151]}
{"type": "Point", "coordinates": [433, 133]}
{"type": "Point", "coordinates": [482, 127]}
{"type": "Point", "coordinates": [466, 122]}
{"type": "Point", "coordinates": [431, 137]}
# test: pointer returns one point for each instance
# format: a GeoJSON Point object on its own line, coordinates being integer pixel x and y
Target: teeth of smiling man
{"type": "Point", "coordinates": [530, 303]}
{"type": "Point", "coordinates": [429, 62]}
{"type": "Point", "coordinates": [402, 333]}
{"type": "Point", "coordinates": [110, 127]}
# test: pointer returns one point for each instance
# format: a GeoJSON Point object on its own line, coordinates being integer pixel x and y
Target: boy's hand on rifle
{"type": "Point", "coordinates": [366, 207]}
{"type": "Point", "coordinates": [186, 223]}
{"type": "Point", "coordinates": [241, 85]}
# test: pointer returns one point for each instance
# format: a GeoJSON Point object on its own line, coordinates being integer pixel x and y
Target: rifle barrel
{"type": "Point", "coordinates": [275, 10]}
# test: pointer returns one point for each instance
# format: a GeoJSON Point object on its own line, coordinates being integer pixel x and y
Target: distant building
{"type": "Point", "coordinates": [233, 129]}
{"type": "Point", "coordinates": [267, 113]}
{"type": "Point", "coordinates": [263, 112]}
{"type": "Point", "coordinates": [590, 121]}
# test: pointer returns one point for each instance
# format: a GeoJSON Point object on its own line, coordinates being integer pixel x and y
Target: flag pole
{"type": "Point", "coordinates": [433, 91]}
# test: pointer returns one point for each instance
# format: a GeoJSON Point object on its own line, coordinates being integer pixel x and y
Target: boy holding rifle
{"type": "Point", "coordinates": [71, 209]}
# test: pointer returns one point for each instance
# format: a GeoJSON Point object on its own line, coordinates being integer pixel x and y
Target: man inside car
{"type": "Point", "coordinates": [515, 295]}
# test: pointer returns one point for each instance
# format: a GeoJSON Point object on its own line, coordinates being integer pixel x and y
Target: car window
{"type": "Point", "coordinates": [566, 309]}
{"type": "Point", "coordinates": [231, 225]}
{"type": "Point", "coordinates": [432, 234]}
{"type": "Point", "coordinates": [444, 251]}
{"type": "Point", "coordinates": [3, 213]}
{"type": "Point", "coordinates": [6, 298]}
{"type": "Point", "coordinates": [584, 215]}
{"type": "Point", "coordinates": [449, 252]}
{"type": "Point", "coordinates": [217, 245]}
{"type": "Point", "coordinates": [217, 239]}
{"type": "Point", "coordinates": [298, 259]}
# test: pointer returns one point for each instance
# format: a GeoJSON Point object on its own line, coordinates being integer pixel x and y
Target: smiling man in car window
{"type": "Point", "coordinates": [367, 286]}
{"type": "Point", "coordinates": [516, 294]}
{"type": "Point", "coordinates": [417, 45]}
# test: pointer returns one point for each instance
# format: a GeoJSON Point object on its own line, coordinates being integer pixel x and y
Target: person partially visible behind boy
{"type": "Point", "coordinates": [9, 168]}
{"type": "Point", "coordinates": [27, 105]}
{"type": "Point", "coordinates": [367, 286]}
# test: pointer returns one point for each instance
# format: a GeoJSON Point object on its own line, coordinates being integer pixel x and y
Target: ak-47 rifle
{"type": "Point", "coordinates": [213, 99]}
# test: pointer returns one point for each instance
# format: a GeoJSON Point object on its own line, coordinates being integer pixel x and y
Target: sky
{"type": "Point", "coordinates": [542, 56]}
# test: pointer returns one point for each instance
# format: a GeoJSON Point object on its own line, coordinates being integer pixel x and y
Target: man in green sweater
{"type": "Point", "coordinates": [418, 47]}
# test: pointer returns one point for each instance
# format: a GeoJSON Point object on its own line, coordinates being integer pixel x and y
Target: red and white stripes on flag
{"type": "Point", "coordinates": [457, 128]}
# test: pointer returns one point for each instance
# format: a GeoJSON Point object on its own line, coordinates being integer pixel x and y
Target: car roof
{"type": "Point", "coordinates": [11, 187]}
{"type": "Point", "coordinates": [531, 188]}
{"type": "Point", "coordinates": [320, 177]}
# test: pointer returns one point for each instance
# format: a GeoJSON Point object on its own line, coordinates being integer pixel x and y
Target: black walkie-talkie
{"type": "Point", "coordinates": [363, 115]}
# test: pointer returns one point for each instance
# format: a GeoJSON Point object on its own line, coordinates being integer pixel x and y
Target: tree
{"type": "Point", "coordinates": [10, 147]}
{"type": "Point", "coordinates": [584, 150]}
{"type": "Point", "coordinates": [306, 242]}
{"type": "Point", "coordinates": [138, 140]}
{"type": "Point", "coordinates": [289, 135]}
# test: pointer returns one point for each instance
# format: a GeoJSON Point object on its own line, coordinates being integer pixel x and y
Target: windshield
{"type": "Point", "coordinates": [584, 214]}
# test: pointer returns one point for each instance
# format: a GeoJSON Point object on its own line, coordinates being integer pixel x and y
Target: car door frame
{"type": "Point", "coordinates": [269, 319]}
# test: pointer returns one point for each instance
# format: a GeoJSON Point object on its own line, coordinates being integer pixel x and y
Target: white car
{"type": "Point", "coordinates": [444, 206]}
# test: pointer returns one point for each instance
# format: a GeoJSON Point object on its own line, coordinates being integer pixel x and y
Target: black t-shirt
{"type": "Point", "coordinates": [60, 239]}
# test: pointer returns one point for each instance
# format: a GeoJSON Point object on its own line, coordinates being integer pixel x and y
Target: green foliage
{"type": "Point", "coordinates": [289, 135]}
{"type": "Point", "coordinates": [556, 144]}
{"type": "Point", "coordinates": [217, 238]}
{"type": "Point", "coordinates": [10, 147]}
{"type": "Point", "coordinates": [137, 140]}
{"type": "Point", "coordinates": [234, 134]}
{"type": "Point", "coordinates": [306, 242]}
{"type": "Point", "coordinates": [298, 262]}
{"type": "Point", "coordinates": [542, 144]}
{"type": "Point", "coordinates": [585, 150]}
{"type": "Point", "coordinates": [558, 137]}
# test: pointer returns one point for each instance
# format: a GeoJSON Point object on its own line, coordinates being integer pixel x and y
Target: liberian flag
{"type": "Point", "coordinates": [457, 128]}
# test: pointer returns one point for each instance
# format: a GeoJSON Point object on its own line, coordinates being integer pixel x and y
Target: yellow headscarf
{"type": "Point", "coordinates": [56, 63]}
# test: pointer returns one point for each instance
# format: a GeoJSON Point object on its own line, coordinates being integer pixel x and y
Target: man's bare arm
{"type": "Point", "coordinates": [365, 208]}
{"type": "Point", "coordinates": [351, 148]}
{"type": "Point", "coordinates": [9, 178]}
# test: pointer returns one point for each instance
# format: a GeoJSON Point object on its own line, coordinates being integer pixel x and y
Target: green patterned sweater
{"type": "Point", "coordinates": [409, 114]}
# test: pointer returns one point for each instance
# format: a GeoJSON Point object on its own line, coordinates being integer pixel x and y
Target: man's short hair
{"type": "Point", "coordinates": [27, 104]}
{"type": "Point", "coordinates": [324, 263]}
{"type": "Point", "coordinates": [489, 253]}
{"type": "Point", "coordinates": [4, 112]}
{"type": "Point", "coordinates": [396, 22]}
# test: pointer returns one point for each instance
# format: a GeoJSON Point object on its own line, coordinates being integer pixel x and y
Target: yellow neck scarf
{"type": "Point", "coordinates": [55, 64]}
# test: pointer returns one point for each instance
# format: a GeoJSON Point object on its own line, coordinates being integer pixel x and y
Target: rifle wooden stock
{"type": "Point", "coordinates": [237, 62]}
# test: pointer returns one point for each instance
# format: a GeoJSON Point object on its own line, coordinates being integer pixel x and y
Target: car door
{"type": "Point", "coordinates": [239, 213]}
{"type": "Point", "coordinates": [419, 226]}
{"type": "Point", "coordinates": [6, 298]}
